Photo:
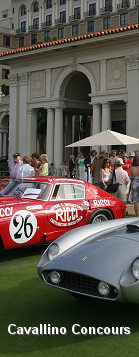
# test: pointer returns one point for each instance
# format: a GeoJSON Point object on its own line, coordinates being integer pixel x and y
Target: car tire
{"type": "Point", "coordinates": [100, 216]}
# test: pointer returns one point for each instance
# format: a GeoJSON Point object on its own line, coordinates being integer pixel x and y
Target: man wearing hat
{"type": "Point", "coordinates": [15, 165]}
{"type": "Point", "coordinates": [123, 179]}
{"type": "Point", "coordinates": [131, 156]}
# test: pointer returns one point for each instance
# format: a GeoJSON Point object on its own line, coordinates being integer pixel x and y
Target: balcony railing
{"type": "Point", "coordinates": [105, 9]}
{"type": "Point", "coordinates": [74, 17]}
{"type": "Point", "coordinates": [33, 27]}
{"type": "Point", "coordinates": [20, 30]}
{"type": "Point", "coordinates": [89, 13]}
{"type": "Point", "coordinates": [46, 24]}
{"type": "Point", "coordinates": [60, 21]}
{"type": "Point", "coordinates": [123, 4]}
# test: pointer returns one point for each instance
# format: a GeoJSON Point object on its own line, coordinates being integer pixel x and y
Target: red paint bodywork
{"type": "Point", "coordinates": [52, 217]}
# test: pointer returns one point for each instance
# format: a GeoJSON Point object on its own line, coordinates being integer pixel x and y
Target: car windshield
{"type": "Point", "coordinates": [27, 189]}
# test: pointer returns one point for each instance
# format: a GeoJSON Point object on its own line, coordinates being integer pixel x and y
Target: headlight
{"type": "Point", "coordinates": [53, 251]}
{"type": "Point", "coordinates": [103, 288]}
{"type": "Point", "coordinates": [54, 276]}
{"type": "Point", "coordinates": [135, 269]}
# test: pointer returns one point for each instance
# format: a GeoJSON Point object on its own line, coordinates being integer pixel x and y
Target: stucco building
{"type": "Point", "coordinates": [79, 61]}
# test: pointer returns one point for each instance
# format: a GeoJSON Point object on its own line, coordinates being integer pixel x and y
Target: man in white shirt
{"type": "Point", "coordinates": [123, 179]}
{"type": "Point", "coordinates": [26, 170]}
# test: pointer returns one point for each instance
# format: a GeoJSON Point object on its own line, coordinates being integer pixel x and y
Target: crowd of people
{"type": "Point", "coordinates": [34, 165]}
{"type": "Point", "coordinates": [100, 169]}
{"type": "Point", "coordinates": [103, 169]}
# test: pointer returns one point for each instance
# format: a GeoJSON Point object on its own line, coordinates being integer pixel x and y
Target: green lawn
{"type": "Point", "coordinates": [26, 301]}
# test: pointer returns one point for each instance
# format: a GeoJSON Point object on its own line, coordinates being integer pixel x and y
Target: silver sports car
{"type": "Point", "coordinates": [99, 261]}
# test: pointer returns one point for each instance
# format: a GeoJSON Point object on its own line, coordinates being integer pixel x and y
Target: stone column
{"type": "Point", "coordinates": [50, 135]}
{"type": "Point", "coordinates": [128, 147]}
{"type": "Point", "coordinates": [132, 109]}
{"type": "Point", "coordinates": [40, 17]}
{"type": "Point", "coordinates": [29, 18]}
{"type": "Point", "coordinates": [96, 127]}
{"type": "Point", "coordinates": [27, 23]}
{"type": "Point", "coordinates": [67, 11]}
{"type": "Point", "coordinates": [4, 144]}
{"type": "Point", "coordinates": [82, 9]}
{"type": "Point", "coordinates": [96, 121]}
{"type": "Point", "coordinates": [101, 4]}
{"type": "Point", "coordinates": [85, 6]}
{"type": "Point", "coordinates": [23, 113]}
{"type": "Point", "coordinates": [31, 137]}
{"type": "Point", "coordinates": [97, 7]}
{"type": "Point", "coordinates": [132, 3]}
{"type": "Point", "coordinates": [70, 7]}
{"type": "Point", "coordinates": [126, 111]}
{"type": "Point", "coordinates": [13, 122]}
{"type": "Point", "coordinates": [114, 5]}
{"type": "Point", "coordinates": [106, 116]}
{"type": "Point", "coordinates": [54, 14]}
{"type": "Point", "coordinates": [58, 137]}
{"type": "Point", "coordinates": [106, 121]}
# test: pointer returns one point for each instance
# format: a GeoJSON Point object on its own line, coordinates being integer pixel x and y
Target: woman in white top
{"type": "Point", "coordinates": [105, 174]}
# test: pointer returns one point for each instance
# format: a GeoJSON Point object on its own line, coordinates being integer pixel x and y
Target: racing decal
{"type": "Point", "coordinates": [101, 202]}
{"type": "Point", "coordinates": [34, 207]}
{"type": "Point", "coordinates": [65, 214]}
{"type": "Point", "coordinates": [86, 203]}
{"type": "Point", "coordinates": [23, 226]}
{"type": "Point", "coordinates": [9, 204]}
{"type": "Point", "coordinates": [6, 212]}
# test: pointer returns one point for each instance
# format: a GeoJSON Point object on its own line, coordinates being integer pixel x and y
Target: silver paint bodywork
{"type": "Point", "coordinates": [104, 251]}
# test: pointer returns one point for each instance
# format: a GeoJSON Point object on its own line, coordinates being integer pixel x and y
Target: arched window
{"type": "Point", "coordinates": [36, 6]}
{"type": "Point", "coordinates": [23, 10]}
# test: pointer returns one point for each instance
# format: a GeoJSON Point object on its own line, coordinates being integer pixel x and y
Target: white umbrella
{"type": "Point", "coordinates": [106, 138]}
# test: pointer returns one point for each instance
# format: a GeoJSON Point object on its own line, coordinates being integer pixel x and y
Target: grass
{"type": "Point", "coordinates": [27, 301]}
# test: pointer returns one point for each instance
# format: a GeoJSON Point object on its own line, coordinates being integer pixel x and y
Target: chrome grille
{"type": "Point", "coordinates": [80, 283]}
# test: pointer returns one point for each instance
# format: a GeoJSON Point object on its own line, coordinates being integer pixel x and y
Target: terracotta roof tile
{"type": "Point", "coordinates": [70, 39]}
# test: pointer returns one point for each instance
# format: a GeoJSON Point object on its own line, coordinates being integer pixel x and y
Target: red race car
{"type": "Point", "coordinates": [40, 209]}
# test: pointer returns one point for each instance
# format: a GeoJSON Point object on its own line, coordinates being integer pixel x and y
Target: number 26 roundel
{"type": "Point", "coordinates": [23, 226]}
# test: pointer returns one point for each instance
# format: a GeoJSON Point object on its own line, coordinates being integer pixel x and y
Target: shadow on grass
{"type": "Point", "coordinates": [11, 254]}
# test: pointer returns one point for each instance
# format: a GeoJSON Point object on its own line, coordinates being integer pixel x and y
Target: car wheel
{"type": "Point", "coordinates": [100, 216]}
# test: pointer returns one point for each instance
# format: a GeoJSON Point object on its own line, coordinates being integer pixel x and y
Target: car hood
{"type": "Point", "coordinates": [104, 258]}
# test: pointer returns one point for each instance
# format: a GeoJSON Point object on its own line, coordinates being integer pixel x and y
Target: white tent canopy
{"type": "Point", "coordinates": [106, 138]}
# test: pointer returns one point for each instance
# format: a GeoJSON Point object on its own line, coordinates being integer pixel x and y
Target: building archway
{"type": "Point", "coordinates": [66, 74]}
{"type": "Point", "coordinates": [77, 114]}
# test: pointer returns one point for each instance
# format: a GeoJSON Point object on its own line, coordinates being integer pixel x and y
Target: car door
{"type": "Point", "coordinates": [67, 209]}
